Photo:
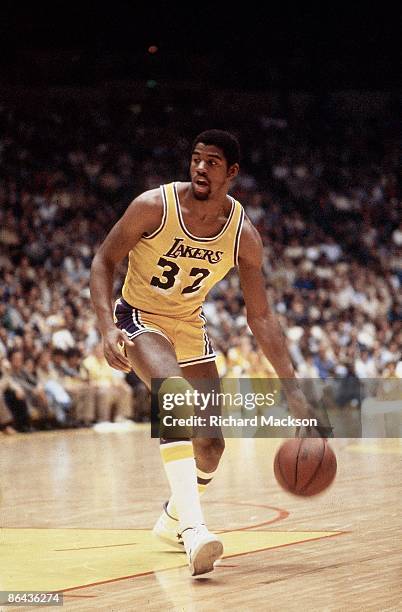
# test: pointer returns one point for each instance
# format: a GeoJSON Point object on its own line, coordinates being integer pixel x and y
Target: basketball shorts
{"type": "Point", "coordinates": [188, 338]}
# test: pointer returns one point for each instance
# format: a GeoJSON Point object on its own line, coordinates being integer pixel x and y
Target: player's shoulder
{"type": "Point", "coordinates": [151, 199]}
{"type": "Point", "coordinates": [249, 234]}
{"type": "Point", "coordinates": [144, 214]}
{"type": "Point", "coordinates": [147, 207]}
{"type": "Point", "coordinates": [250, 247]}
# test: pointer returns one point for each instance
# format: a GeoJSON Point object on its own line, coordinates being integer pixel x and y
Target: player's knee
{"type": "Point", "coordinates": [176, 392]}
{"type": "Point", "coordinates": [209, 449]}
{"type": "Point", "coordinates": [218, 445]}
{"type": "Point", "coordinates": [175, 408]}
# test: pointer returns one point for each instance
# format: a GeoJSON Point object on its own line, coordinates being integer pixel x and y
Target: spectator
{"type": "Point", "coordinates": [7, 421]}
{"type": "Point", "coordinates": [329, 215]}
{"type": "Point", "coordinates": [58, 398]}
{"type": "Point", "coordinates": [113, 394]}
{"type": "Point", "coordinates": [75, 380]}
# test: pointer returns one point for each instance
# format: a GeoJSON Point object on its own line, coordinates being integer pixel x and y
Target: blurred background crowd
{"type": "Point", "coordinates": [324, 190]}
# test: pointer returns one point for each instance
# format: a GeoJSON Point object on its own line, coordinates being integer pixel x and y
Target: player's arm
{"type": "Point", "coordinates": [143, 216]}
{"type": "Point", "coordinates": [263, 321]}
{"type": "Point", "coordinates": [260, 317]}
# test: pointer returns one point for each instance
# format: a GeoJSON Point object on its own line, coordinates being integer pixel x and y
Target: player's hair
{"type": "Point", "coordinates": [224, 140]}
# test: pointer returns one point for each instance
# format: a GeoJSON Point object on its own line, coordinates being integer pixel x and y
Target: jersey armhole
{"type": "Point", "coordinates": [164, 215]}
{"type": "Point", "coordinates": [237, 238]}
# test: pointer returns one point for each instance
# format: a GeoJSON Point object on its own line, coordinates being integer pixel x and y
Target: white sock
{"type": "Point", "coordinates": [203, 481]}
{"type": "Point", "coordinates": [179, 463]}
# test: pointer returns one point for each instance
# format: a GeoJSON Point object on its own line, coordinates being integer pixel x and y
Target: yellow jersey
{"type": "Point", "coordinates": [171, 271]}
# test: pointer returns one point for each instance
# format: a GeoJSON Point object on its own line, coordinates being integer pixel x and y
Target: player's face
{"type": "Point", "coordinates": [209, 171]}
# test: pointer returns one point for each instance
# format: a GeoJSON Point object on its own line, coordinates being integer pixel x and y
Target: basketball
{"type": "Point", "coordinates": [305, 466]}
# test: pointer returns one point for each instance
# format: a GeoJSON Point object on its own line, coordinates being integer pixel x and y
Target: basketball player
{"type": "Point", "coordinates": [182, 239]}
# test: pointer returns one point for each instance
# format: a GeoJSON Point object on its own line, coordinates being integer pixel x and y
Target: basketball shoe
{"type": "Point", "coordinates": [166, 529]}
{"type": "Point", "coordinates": [203, 548]}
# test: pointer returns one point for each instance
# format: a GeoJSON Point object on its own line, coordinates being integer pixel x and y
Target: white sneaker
{"type": "Point", "coordinates": [203, 549]}
{"type": "Point", "coordinates": [166, 529]}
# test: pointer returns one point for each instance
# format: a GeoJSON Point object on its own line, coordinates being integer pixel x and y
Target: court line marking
{"type": "Point", "coordinates": [282, 514]}
{"type": "Point", "coordinates": [250, 552]}
{"type": "Point", "coordinates": [95, 547]}
{"type": "Point", "coordinates": [168, 569]}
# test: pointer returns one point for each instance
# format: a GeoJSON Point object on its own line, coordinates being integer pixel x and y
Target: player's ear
{"type": "Point", "coordinates": [233, 171]}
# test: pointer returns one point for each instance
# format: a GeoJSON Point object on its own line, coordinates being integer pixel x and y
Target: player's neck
{"type": "Point", "coordinates": [213, 207]}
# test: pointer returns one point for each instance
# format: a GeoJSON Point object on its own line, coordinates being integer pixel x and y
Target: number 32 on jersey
{"type": "Point", "coordinates": [171, 270]}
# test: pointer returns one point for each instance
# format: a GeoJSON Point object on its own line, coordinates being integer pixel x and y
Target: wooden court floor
{"type": "Point", "coordinates": [77, 508]}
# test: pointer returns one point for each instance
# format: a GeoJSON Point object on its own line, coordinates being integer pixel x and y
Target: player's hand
{"type": "Point", "coordinates": [301, 409]}
{"type": "Point", "coordinates": [114, 342]}
{"type": "Point", "coordinates": [319, 431]}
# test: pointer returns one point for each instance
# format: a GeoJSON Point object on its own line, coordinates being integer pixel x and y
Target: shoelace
{"type": "Point", "coordinates": [196, 528]}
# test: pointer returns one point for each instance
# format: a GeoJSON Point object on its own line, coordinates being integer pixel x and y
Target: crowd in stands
{"type": "Point", "coordinates": [325, 196]}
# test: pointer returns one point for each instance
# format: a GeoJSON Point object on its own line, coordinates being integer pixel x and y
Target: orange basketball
{"type": "Point", "coordinates": [305, 466]}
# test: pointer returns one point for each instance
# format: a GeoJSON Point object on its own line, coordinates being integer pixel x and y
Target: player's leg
{"type": "Point", "coordinates": [153, 357]}
{"type": "Point", "coordinates": [207, 451]}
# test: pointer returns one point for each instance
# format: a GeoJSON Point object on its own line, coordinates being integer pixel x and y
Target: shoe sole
{"type": "Point", "coordinates": [203, 559]}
